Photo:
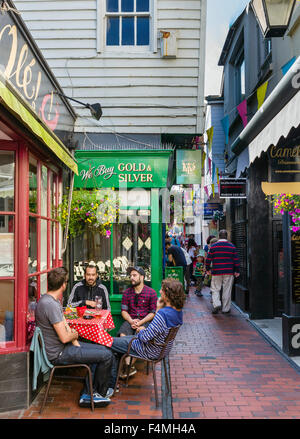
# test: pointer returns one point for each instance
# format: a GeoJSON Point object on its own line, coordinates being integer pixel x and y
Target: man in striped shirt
{"type": "Point", "coordinates": [225, 267]}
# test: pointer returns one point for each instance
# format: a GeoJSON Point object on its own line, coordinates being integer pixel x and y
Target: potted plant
{"type": "Point", "coordinates": [288, 203]}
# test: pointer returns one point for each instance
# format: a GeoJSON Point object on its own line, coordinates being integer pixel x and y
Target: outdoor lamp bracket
{"type": "Point", "coordinates": [273, 16]}
{"type": "Point", "coordinates": [95, 109]}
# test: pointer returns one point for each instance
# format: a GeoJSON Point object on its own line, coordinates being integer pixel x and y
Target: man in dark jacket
{"type": "Point", "coordinates": [85, 291]}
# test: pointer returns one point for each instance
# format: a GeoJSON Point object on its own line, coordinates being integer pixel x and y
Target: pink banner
{"type": "Point", "coordinates": [206, 191]}
{"type": "Point", "coordinates": [209, 165]}
{"type": "Point", "coordinates": [242, 109]}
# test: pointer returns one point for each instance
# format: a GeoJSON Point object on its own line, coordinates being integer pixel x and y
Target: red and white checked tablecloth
{"type": "Point", "coordinates": [95, 329]}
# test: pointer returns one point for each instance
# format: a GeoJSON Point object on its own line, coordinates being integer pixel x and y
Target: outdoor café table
{"type": "Point", "coordinates": [95, 329]}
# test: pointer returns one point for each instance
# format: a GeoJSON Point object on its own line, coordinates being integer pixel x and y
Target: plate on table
{"type": "Point", "coordinates": [88, 317]}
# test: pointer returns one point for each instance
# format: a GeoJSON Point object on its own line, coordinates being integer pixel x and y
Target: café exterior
{"type": "Point", "coordinates": [136, 179]}
{"type": "Point", "coordinates": [34, 160]}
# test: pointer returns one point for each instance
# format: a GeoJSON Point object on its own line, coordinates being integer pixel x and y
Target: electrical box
{"type": "Point", "coordinates": [168, 44]}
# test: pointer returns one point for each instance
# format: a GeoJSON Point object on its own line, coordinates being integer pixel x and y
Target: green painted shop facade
{"type": "Point", "coordinates": [137, 237]}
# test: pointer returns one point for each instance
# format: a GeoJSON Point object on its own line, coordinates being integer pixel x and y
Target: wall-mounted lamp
{"type": "Point", "coordinates": [273, 16]}
{"type": "Point", "coordinates": [95, 109]}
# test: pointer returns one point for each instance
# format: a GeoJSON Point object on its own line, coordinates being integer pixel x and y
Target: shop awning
{"type": "Point", "coordinates": [280, 126]}
{"type": "Point", "coordinates": [22, 111]}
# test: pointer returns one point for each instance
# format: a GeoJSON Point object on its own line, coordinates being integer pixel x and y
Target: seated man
{"type": "Point", "coordinates": [138, 305]}
{"type": "Point", "coordinates": [169, 314]}
{"type": "Point", "coordinates": [61, 342]}
{"type": "Point", "coordinates": [85, 291]}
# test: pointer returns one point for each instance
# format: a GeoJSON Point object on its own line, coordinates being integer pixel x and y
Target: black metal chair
{"type": "Point", "coordinates": [162, 357]}
{"type": "Point", "coordinates": [54, 368]}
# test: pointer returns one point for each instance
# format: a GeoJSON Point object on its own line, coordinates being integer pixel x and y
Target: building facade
{"type": "Point", "coordinates": [263, 238]}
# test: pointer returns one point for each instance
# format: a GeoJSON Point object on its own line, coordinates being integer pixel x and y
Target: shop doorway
{"type": "Point", "coordinates": [278, 269]}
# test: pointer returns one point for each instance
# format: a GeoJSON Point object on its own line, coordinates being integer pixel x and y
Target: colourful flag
{"type": "Point", "coordinates": [210, 135]}
{"type": "Point", "coordinates": [286, 67]}
{"type": "Point", "coordinates": [213, 172]}
{"type": "Point", "coordinates": [203, 158]}
{"type": "Point", "coordinates": [213, 189]}
{"type": "Point", "coordinates": [209, 165]}
{"type": "Point", "coordinates": [242, 109]}
{"type": "Point", "coordinates": [261, 94]}
{"type": "Point", "coordinates": [225, 125]}
{"type": "Point", "coordinates": [218, 180]}
{"type": "Point", "coordinates": [206, 191]}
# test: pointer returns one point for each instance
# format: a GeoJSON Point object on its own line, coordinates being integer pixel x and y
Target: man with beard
{"type": "Point", "coordinates": [138, 305]}
{"type": "Point", "coordinates": [85, 291]}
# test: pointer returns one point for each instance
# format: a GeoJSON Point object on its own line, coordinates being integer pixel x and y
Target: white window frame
{"type": "Point", "coordinates": [101, 29]}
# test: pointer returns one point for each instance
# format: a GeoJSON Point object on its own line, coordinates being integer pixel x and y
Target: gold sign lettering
{"type": "Point", "coordinates": [287, 152]}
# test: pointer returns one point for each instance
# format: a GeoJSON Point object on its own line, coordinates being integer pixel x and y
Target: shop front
{"type": "Point", "coordinates": [33, 163]}
{"type": "Point", "coordinates": [135, 236]}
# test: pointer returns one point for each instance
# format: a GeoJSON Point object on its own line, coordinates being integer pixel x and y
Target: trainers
{"type": "Point", "coordinates": [109, 392]}
{"type": "Point", "coordinates": [99, 401]}
{"type": "Point", "coordinates": [132, 372]}
{"type": "Point", "coordinates": [216, 310]}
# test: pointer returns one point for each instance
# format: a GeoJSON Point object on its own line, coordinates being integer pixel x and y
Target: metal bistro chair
{"type": "Point", "coordinates": [162, 357]}
{"type": "Point", "coordinates": [54, 368]}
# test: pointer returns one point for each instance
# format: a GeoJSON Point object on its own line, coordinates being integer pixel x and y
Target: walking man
{"type": "Point", "coordinates": [225, 267]}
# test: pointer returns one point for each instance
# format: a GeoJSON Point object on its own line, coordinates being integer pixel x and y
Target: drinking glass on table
{"type": "Point", "coordinates": [98, 301]}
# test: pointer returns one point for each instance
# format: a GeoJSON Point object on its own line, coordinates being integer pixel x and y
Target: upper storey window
{"type": "Point", "coordinates": [127, 23]}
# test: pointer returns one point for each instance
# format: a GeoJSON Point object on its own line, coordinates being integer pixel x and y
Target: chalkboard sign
{"type": "Point", "coordinates": [296, 267]}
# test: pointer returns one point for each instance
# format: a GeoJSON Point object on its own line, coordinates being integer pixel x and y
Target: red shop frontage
{"type": "Point", "coordinates": [35, 127]}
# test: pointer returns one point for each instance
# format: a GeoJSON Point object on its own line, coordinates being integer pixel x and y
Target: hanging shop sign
{"type": "Point", "coordinates": [285, 163]}
{"type": "Point", "coordinates": [147, 169]}
{"type": "Point", "coordinates": [188, 166]}
{"type": "Point", "coordinates": [211, 208]}
{"type": "Point", "coordinates": [23, 66]}
{"type": "Point", "coordinates": [295, 245]}
{"type": "Point", "coordinates": [233, 188]}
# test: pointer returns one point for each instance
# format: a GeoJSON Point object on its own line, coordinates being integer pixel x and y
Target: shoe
{"type": "Point", "coordinates": [109, 392]}
{"type": "Point", "coordinates": [132, 372]}
{"type": "Point", "coordinates": [99, 401]}
{"type": "Point", "coordinates": [198, 293]}
{"type": "Point", "coordinates": [216, 310]}
{"type": "Point", "coordinates": [226, 312]}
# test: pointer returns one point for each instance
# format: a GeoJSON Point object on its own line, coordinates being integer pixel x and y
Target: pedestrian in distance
{"type": "Point", "coordinates": [199, 273]}
{"type": "Point", "coordinates": [225, 264]}
{"type": "Point", "coordinates": [176, 258]}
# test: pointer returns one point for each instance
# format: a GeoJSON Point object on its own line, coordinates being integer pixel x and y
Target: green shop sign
{"type": "Point", "coordinates": [147, 169]}
{"type": "Point", "coordinates": [188, 166]}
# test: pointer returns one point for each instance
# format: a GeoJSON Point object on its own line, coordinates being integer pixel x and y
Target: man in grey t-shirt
{"type": "Point", "coordinates": [62, 345]}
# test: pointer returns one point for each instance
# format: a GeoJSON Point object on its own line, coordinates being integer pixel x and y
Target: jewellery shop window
{"type": "Point", "coordinates": [131, 245]}
{"type": "Point", "coordinates": [7, 247]}
{"type": "Point", "coordinates": [43, 238]}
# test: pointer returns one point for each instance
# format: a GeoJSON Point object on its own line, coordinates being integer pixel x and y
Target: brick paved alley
{"type": "Point", "coordinates": [220, 366]}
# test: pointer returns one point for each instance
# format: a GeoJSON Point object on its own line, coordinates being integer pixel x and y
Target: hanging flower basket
{"type": "Point", "coordinates": [218, 215]}
{"type": "Point", "coordinates": [288, 203]}
{"type": "Point", "coordinates": [93, 209]}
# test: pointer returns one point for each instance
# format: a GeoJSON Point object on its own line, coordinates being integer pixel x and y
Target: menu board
{"type": "Point", "coordinates": [296, 268]}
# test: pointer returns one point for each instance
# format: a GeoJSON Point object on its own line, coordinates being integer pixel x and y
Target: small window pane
{"type": "Point", "coordinates": [127, 6]}
{"type": "Point", "coordinates": [128, 31]}
{"type": "Point", "coordinates": [7, 180]}
{"type": "Point", "coordinates": [6, 245]}
{"type": "Point", "coordinates": [142, 5]}
{"type": "Point", "coordinates": [143, 31]}
{"type": "Point", "coordinates": [6, 311]}
{"type": "Point", "coordinates": [112, 5]}
{"type": "Point", "coordinates": [32, 246]}
{"type": "Point", "coordinates": [32, 185]}
{"type": "Point", "coordinates": [43, 245]}
{"type": "Point", "coordinates": [44, 191]}
{"type": "Point", "coordinates": [112, 35]}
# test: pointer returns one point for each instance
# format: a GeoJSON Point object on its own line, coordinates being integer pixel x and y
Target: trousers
{"type": "Point", "coordinates": [99, 358]}
{"type": "Point", "coordinates": [217, 282]}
